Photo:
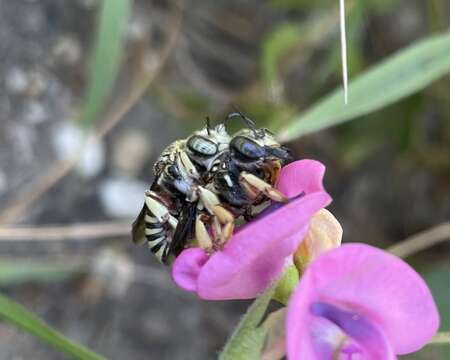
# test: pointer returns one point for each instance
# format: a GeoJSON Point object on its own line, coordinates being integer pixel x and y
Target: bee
{"type": "Point", "coordinates": [167, 217]}
{"type": "Point", "coordinates": [245, 174]}
{"type": "Point", "coordinates": [203, 183]}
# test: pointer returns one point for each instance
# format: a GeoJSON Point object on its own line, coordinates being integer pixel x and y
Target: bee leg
{"type": "Point", "coordinates": [187, 164]}
{"type": "Point", "coordinates": [158, 222]}
{"type": "Point", "coordinates": [251, 192]}
{"type": "Point", "coordinates": [208, 198]}
{"type": "Point", "coordinates": [202, 235]}
{"type": "Point", "coordinates": [218, 239]}
{"type": "Point", "coordinates": [261, 185]}
{"type": "Point", "coordinates": [187, 175]}
{"type": "Point", "coordinates": [225, 217]}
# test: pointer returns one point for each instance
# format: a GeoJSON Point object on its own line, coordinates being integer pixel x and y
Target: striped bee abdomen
{"type": "Point", "coordinates": [157, 235]}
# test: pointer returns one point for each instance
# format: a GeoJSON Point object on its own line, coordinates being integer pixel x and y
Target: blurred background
{"type": "Point", "coordinates": [92, 91]}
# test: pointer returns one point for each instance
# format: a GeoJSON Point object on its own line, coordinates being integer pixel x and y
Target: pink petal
{"type": "Point", "coordinates": [302, 175]}
{"type": "Point", "coordinates": [255, 255]}
{"type": "Point", "coordinates": [299, 321]}
{"type": "Point", "coordinates": [316, 338]}
{"type": "Point", "coordinates": [356, 334]}
{"type": "Point", "coordinates": [380, 286]}
{"type": "Point", "coordinates": [187, 266]}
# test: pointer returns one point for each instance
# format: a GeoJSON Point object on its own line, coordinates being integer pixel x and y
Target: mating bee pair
{"type": "Point", "coordinates": [204, 183]}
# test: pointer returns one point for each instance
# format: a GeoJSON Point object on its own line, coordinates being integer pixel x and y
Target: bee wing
{"type": "Point", "coordinates": [185, 228]}
{"type": "Point", "coordinates": [138, 227]}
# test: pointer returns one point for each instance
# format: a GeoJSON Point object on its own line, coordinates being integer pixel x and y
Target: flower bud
{"type": "Point", "coordinates": [325, 233]}
{"type": "Point", "coordinates": [275, 328]}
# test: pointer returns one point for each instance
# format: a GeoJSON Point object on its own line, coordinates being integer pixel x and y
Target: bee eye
{"type": "Point", "coordinates": [246, 148]}
{"type": "Point", "coordinates": [202, 146]}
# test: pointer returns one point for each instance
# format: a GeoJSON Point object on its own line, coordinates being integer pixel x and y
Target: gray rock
{"type": "Point", "coordinates": [69, 142]}
{"type": "Point", "coordinates": [16, 80]}
{"type": "Point", "coordinates": [122, 197]}
{"type": "Point", "coordinates": [67, 50]}
{"type": "Point", "coordinates": [131, 150]}
{"type": "Point", "coordinates": [34, 112]}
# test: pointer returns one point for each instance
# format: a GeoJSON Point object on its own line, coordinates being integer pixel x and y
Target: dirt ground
{"type": "Point", "coordinates": [134, 311]}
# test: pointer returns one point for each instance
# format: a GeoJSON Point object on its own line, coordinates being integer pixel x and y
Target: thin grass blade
{"type": "Point", "coordinates": [19, 316]}
{"type": "Point", "coordinates": [105, 59]}
{"type": "Point", "coordinates": [408, 71]}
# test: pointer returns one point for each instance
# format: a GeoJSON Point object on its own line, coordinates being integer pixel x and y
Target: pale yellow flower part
{"type": "Point", "coordinates": [325, 233]}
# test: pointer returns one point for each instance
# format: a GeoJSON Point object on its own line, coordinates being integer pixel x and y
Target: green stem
{"type": "Point", "coordinates": [442, 337]}
{"type": "Point", "coordinates": [286, 285]}
{"type": "Point", "coordinates": [247, 340]}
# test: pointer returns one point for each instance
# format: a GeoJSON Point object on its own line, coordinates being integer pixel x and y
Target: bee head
{"type": "Point", "coordinates": [205, 145]}
{"type": "Point", "coordinates": [257, 146]}
{"type": "Point", "coordinates": [253, 145]}
{"type": "Point", "coordinates": [257, 152]}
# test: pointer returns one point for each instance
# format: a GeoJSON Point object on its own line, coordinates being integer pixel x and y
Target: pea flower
{"type": "Point", "coordinates": [325, 233]}
{"type": "Point", "coordinates": [257, 253]}
{"type": "Point", "coordinates": [357, 302]}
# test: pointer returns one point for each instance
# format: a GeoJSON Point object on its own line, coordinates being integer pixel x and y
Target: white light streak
{"type": "Point", "coordinates": [344, 50]}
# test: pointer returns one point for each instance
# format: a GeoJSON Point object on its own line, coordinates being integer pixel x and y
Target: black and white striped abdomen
{"type": "Point", "coordinates": [157, 235]}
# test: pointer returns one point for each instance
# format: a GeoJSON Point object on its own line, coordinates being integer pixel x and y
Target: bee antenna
{"type": "Point", "coordinates": [208, 125]}
{"type": "Point", "coordinates": [249, 122]}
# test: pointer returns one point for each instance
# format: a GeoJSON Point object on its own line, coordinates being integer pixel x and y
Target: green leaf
{"type": "Point", "coordinates": [105, 59]}
{"type": "Point", "coordinates": [23, 319]}
{"type": "Point", "coordinates": [248, 339]}
{"type": "Point", "coordinates": [403, 74]}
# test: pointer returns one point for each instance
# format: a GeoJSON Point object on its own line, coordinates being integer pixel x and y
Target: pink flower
{"type": "Point", "coordinates": [256, 254]}
{"type": "Point", "coordinates": [359, 302]}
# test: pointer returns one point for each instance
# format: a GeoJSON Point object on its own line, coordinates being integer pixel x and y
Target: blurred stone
{"type": "Point", "coordinates": [130, 152]}
{"type": "Point", "coordinates": [92, 159]}
{"type": "Point", "coordinates": [24, 139]}
{"type": "Point", "coordinates": [32, 83]}
{"type": "Point", "coordinates": [67, 138]}
{"type": "Point", "coordinates": [69, 142]}
{"type": "Point", "coordinates": [33, 18]}
{"type": "Point", "coordinates": [114, 271]}
{"type": "Point", "coordinates": [122, 197]}
{"type": "Point", "coordinates": [67, 50]}
{"type": "Point", "coordinates": [34, 112]}
{"type": "Point", "coordinates": [37, 83]}
{"type": "Point", "coordinates": [138, 27]}
{"type": "Point", "coordinates": [16, 80]}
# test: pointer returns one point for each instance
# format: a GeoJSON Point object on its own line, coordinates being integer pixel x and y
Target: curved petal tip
{"type": "Point", "coordinates": [186, 268]}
